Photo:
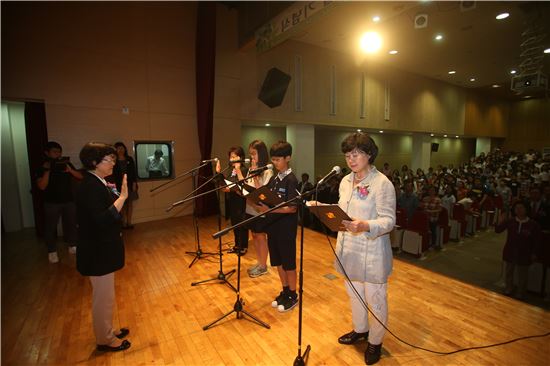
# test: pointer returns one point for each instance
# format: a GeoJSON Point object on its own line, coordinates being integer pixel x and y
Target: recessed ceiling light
{"type": "Point", "coordinates": [527, 96]}
{"type": "Point", "coordinates": [513, 71]}
{"type": "Point", "coordinates": [547, 50]}
{"type": "Point", "coordinates": [431, 134]}
{"type": "Point", "coordinates": [370, 42]}
{"type": "Point", "coordinates": [358, 130]}
{"type": "Point", "coordinates": [393, 52]}
{"type": "Point", "coordinates": [267, 124]}
{"type": "Point", "coordinates": [502, 16]}
{"type": "Point", "coordinates": [456, 136]}
{"type": "Point", "coordinates": [381, 131]}
{"type": "Point", "coordinates": [472, 79]}
{"type": "Point", "coordinates": [452, 72]}
{"type": "Point", "coordinates": [444, 135]}
{"type": "Point", "coordinates": [376, 18]}
{"type": "Point", "coordinates": [495, 86]}
{"type": "Point", "coordinates": [438, 37]}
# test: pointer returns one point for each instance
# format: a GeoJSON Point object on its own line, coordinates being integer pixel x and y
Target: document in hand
{"type": "Point", "coordinates": [331, 216]}
{"type": "Point", "coordinates": [265, 196]}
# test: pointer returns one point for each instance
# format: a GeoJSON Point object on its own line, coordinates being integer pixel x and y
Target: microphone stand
{"type": "Point", "coordinates": [221, 275]}
{"type": "Point", "coordinates": [238, 307]}
{"type": "Point", "coordinates": [198, 254]}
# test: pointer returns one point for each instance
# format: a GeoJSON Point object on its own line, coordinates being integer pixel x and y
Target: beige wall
{"type": "Point", "coordinates": [529, 126]}
{"type": "Point", "coordinates": [269, 135]}
{"type": "Point", "coordinates": [416, 103]}
{"type": "Point", "coordinates": [485, 116]}
{"type": "Point", "coordinates": [88, 60]}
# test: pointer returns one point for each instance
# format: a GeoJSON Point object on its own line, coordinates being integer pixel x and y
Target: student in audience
{"type": "Point", "coordinates": [522, 241]}
{"type": "Point", "coordinates": [448, 200]}
{"type": "Point", "coordinates": [432, 205]}
{"type": "Point", "coordinates": [408, 200]}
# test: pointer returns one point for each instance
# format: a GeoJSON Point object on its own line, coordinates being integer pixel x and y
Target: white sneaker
{"type": "Point", "coordinates": [72, 249]}
{"type": "Point", "coordinates": [53, 257]}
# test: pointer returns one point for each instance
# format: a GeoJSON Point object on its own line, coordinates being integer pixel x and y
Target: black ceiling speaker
{"type": "Point", "coordinates": [274, 88]}
{"type": "Point", "coordinates": [435, 146]}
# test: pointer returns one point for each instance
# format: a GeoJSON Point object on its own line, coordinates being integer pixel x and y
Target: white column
{"type": "Point", "coordinates": [302, 139]}
{"type": "Point", "coordinates": [421, 152]}
{"type": "Point", "coordinates": [483, 145]}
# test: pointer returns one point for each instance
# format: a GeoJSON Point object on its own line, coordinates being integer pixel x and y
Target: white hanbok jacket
{"type": "Point", "coordinates": [367, 256]}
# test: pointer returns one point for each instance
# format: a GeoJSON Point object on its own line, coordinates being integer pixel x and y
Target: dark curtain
{"type": "Point", "coordinates": [37, 137]}
{"type": "Point", "coordinates": [205, 63]}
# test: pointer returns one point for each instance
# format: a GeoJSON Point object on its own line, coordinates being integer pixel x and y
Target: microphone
{"type": "Point", "coordinates": [209, 161]}
{"type": "Point", "coordinates": [245, 161]}
{"type": "Point", "coordinates": [254, 171]}
{"type": "Point", "coordinates": [335, 170]}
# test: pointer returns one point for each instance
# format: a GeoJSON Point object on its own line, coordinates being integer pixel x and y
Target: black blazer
{"type": "Point", "coordinates": [100, 247]}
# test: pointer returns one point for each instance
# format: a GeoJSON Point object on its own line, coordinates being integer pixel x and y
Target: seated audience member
{"type": "Point", "coordinates": [539, 210]}
{"type": "Point", "coordinates": [448, 200]}
{"type": "Point", "coordinates": [506, 194]}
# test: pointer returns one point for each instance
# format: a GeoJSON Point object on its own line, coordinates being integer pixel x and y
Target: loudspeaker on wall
{"type": "Point", "coordinates": [274, 87]}
{"type": "Point", "coordinates": [435, 146]}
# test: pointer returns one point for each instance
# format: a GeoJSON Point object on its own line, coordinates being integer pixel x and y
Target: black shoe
{"type": "Point", "coordinates": [288, 303]}
{"type": "Point", "coordinates": [353, 337]}
{"type": "Point", "coordinates": [373, 353]}
{"type": "Point", "coordinates": [105, 348]}
{"type": "Point", "coordinates": [123, 333]}
{"type": "Point", "coordinates": [279, 299]}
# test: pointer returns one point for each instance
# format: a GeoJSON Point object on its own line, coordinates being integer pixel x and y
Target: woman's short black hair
{"type": "Point", "coordinates": [237, 150]}
{"type": "Point", "coordinates": [120, 143]}
{"type": "Point", "coordinates": [260, 147]}
{"type": "Point", "coordinates": [281, 149]}
{"type": "Point", "coordinates": [53, 145]}
{"type": "Point", "coordinates": [360, 141]}
{"type": "Point", "coordinates": [93, 152]}
{"type": "Point", "coordinates": [522, 203]}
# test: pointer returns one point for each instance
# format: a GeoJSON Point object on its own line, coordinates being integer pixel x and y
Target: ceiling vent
{"type": "Point", "coordinates": [420, 21]}
{"type": "Point", "coordinates": [467, 5]}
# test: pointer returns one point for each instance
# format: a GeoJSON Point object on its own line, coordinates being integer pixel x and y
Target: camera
{"type": "Point", "coordinates": [59, 165]}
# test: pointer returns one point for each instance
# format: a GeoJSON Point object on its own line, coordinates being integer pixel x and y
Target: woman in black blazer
{"type": "Point", "coordinates": [100, 250]}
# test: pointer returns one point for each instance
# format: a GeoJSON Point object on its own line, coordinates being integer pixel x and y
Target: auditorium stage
{"type": "Point", "coordinates": [46, 317]}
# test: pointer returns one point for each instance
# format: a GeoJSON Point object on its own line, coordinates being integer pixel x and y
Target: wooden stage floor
{"type": "Point", "coordinates": [46, 316]}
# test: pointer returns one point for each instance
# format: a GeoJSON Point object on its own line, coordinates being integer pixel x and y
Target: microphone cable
{"type": "Point", "coordinates": [410, 344]}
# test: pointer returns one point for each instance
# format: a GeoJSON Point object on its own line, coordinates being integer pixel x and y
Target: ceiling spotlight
{"type": "Point", "coordinates": [393, 52]}
{"type": "Point", "coordinates": [444, 135]}
{"type": "Point", "coordinates": [358, 130]}
{"type": "Point", "coordinates": [547, 50]}
{"type": "Point", "coordinates": [495, 86]}
{"type": "Point", "coordinates": [527, 96]}
{"type": "Point", "coordinates": [267, 124]}
{"type": "Point", "coordinates": [472, 79]}
{"type": "Point", "coordinates": [513, 71]}
{"type": "Point", "coordinates": [431, 134]}
{"type": "Point", "coordinates": [381, 131]}
{"type": "Point", "coordinates": [376, 18]}
{"type": "Point", "coordinates": [370, 42]}
{"type": "Point", "coordinates": [452, 72]}
{"type": "Point", "coordinates": [502, 16]}
{"type": "Point", "coordinates": [456, 136]}
{"type": "Point", "coordinates": [438, 37]}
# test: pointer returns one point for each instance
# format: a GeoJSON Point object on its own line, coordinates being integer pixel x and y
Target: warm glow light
{"type": "Point", "coordinates": [381, 131]}
{"type": "Point", "coordinates": [370, 42]}
{"type": "Point", "coordinates": [456, 136]}
{"type": "Point", "coordinates": [444, 135]}
{"type": "Point", "coordinates": [431, 134]}
{"type": "Point", "coordinates": [439, 37]}
{"type": "Point", "coordinates": [502, 16]}
{"type": "Point", "coordinates": [267, 124]}
{"type": "Point", "coordinates": [513, 72]}
{"type": "Point", "coordinates": [527, 96]}
{"type": "Point", "coordinates": [547, 50]}
{"type": "Point", "coordinates": [393, 52]}
{"type": "Point", "coordinates": [358, 130]}
{"type": "Point", "coordinates": [472, 79]}
{"type": "Point", "coordinates": [452, 72]}
{"type": "Point", "coordinates": [376, 18]}
{"type": "Point", "coordinates": [496, 86]}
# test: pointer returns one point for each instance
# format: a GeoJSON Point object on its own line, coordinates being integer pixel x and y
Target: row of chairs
{"type": "Point", "coordinates": [413, 236]}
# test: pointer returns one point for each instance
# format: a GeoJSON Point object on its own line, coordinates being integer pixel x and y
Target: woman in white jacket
{"type": "Point", "coordinates": [364, 250]}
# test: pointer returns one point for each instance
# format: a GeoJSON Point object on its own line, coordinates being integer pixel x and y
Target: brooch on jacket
{"type": "Point", "coordinates": [112, 188]}
{"type": "Point", "coordinates": [363, 191]}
